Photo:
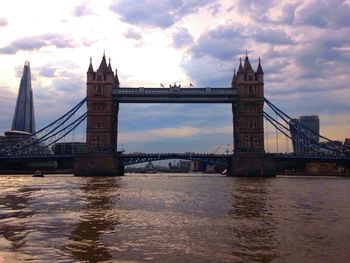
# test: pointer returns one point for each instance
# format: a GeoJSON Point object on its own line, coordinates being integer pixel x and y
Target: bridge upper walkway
{"type": "Point", "coordinates": [175, 95]}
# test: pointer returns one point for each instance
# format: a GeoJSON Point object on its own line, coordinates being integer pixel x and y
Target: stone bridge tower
{"type": "Point", "coordinates": [101, 129]}
{"type": "Point", "coordinates": [249, 158]}
{"type": "Point", "coordinates": [248, 121]}
{"type": "Point", "coordinates": [101, 157]}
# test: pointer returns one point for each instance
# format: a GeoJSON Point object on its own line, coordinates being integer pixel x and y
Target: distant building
{"type": "Point", "coordinates": [23, 124]}
{"type": "Point", "coordinates": [184, 166]}
{"type": "Point", "coordinates": [12, 137]}
{"type": "Point", "coordinates": [23, 118]}
{"type": "Point", "coordinates": [66, 148]}
{"type": "Point", "coordinates": [347, 145]}
{"type": "Point", "coordinates": [331, 144]}
{"type": "Point", "coordinates": [347, 142]}
{"type": "Point", "coordinates": [311, 123]}
{"type": "Point", "coordinates": [198, 166]}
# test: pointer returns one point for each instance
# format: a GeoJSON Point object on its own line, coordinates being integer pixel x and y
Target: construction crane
{"type": "Point", "coordinates": [216, 150]}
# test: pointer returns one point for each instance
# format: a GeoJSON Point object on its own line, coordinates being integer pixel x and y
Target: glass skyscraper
{"type": "Point", "coordinates": [311, 123]}
{"type": "Point", "coordinates": [23, 119]}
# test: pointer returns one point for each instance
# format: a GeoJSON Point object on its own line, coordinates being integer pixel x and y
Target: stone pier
{"type": "Point", "coordinates": [98, 164]}
{"type": "Point", "coordinates": [252, 165]}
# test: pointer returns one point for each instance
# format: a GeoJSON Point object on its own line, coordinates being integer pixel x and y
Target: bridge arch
{"type": "Point", "coordinates": [135, 158]}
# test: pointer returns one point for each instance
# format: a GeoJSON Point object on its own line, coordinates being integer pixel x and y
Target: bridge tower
{"type": "Point", "coordinates": [101, 129]}
{"type": "Point", "coordinates": [249, 158]}
{"type": "Point", "coordinates": [101, 157]}
{"type": "Point", "coordinates": [248, 121]}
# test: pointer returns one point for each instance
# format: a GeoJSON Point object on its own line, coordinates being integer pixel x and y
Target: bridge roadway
{"type": "Point", "coordinates": [134, 158]}
{"type": "Point", "coordinates": [175, 95]}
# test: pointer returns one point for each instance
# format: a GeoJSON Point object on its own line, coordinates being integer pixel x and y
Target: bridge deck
{"type": "Point", "coordinates": [132, 158]}
{"type": "Point", "coordinates": [175, 95]}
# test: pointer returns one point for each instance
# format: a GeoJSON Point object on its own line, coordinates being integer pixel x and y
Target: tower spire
{"type": "Point", "coordinates": [247, 67]}
{"type": "Point", "coordinates": [240, 68]}
{"type": "Point", "coordinates": [103, 66]}
{"type": "Point", "coordinates": [109, 66]}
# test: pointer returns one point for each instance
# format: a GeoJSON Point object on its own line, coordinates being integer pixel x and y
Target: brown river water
{"type": "Point", "coordinates": [174, 218]}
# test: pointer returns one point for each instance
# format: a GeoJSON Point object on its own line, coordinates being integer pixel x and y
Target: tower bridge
{"type": "Point", "coordinates": [245, 94]}
{"type": "Point", "coordinates": [104, 94]}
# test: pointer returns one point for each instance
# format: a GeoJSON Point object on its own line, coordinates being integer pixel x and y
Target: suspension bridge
{"type": "Point", "coordinates": [251, 112]}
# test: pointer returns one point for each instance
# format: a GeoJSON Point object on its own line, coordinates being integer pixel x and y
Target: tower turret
{"type": "Point", "coordinates": [90, 72]}
{"type": "Point", "coordinates": [233, 78]}
{"type": "Point", "coordinates": [240, 72]}
{"type": "Point", "coordinates": [109, 66]}
{"type": "Point", "coordinates": [259, 73]}
{"type": "Point", "coordinates": [116, 78]}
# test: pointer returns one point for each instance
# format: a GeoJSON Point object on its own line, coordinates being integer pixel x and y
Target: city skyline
{"type": "Point", "coordinates": [305, 56]}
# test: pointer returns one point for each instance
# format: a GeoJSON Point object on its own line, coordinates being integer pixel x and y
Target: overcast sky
{"type": "Point", "coordinates": [304, 47]}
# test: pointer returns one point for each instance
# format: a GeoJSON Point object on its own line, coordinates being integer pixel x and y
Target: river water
{"type": "Point", "coordinates": [174, 218]}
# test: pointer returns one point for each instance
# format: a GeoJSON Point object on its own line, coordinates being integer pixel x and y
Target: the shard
{"type": "Point", "coordinates": [23, 119]}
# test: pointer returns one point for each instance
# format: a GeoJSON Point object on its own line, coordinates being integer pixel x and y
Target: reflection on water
{"type": "Point", "coordinates": [13, 209]}
{"type": "Point", "coordinates": [174, 218]}
{"type": "Point", "coordinates": [98, 217]}
{"type": "Point", "coordinates": [253, 225]}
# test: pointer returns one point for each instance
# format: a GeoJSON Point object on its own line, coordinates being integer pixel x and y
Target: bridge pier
{"type": "Point", "coordinates": [98, 164]}
{"type": "Point", "coordinates": [252, 165]}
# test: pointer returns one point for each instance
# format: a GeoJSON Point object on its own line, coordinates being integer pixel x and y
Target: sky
{"type": "Point", "coordinates": [304, 47]}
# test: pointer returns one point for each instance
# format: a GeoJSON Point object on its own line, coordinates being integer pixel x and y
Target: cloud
{"type": "Point", "coordinates": [322, 53]}
{"type": "Point", "coordinates": [3, 21]}
{"type": "Point", "coordinates": [228, 40]}
{"type": "Point", "coordinates": [215, 8]}
{"type": "Point", "coordinates": [222, 42]}
{"type": "Point", "coordinates": [272, 36]}
{"type": "Point", "coordinates": [38, 42]}
{"type": "Point", "coordinates": [288, 13]}
{"type": "Point", "coordinates": [255, 9]}
{"type": "Point", "coordinates": [182, 38]}
{"type": "Point", "coordinates": [156, 13]}
{"type": "Point", "coordinates": [215, 53]}
{"type": "Point", "coordinates": [133, 34]}
{"type": "Point", "coordinates": [324, 13]}
{"type": "Point", "coordinates": [82, 10]}
{"type": "Point", "coordinates": [47, 71]}
{"type": "Point", "coordinates": [176, 132]}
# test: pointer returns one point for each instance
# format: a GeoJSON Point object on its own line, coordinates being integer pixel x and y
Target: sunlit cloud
{"type": "Point", "coordinates": [82, 10]}
{"type": "Point", "coordinates": [167, 133]}
{"type": "Point", "coordinates": [3, 22]}
{"type": "Point", "coordinates": [37, 42]}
